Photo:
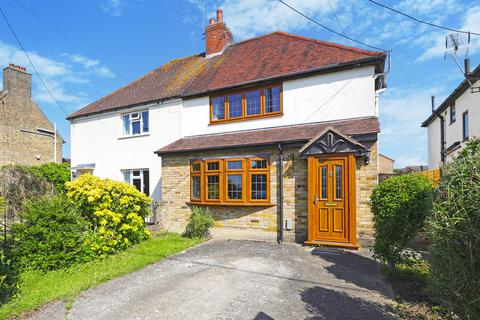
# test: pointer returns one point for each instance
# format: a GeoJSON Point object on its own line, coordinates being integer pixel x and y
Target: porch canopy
{"type": "Point", "coordinates": [313, 138]}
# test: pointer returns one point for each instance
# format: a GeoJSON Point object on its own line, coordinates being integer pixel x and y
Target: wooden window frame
{"type": "Point", "coordinates": [223, 173]}
{"type": "Point", "coordinates": [252, 171]}
{"type": "Point", "coordinates": [196, 174]}
{"type": "Point", "coordinates": [244, 117]}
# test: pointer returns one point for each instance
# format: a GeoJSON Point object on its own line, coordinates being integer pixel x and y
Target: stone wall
{"type": "Point", "coordinates": [260, 222]}
{"type": "Point", "coordinates": [20, 117]}
{"type": "Point", "coordinates": [367, 179]}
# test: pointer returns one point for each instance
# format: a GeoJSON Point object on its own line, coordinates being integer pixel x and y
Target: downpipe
{"type": "Point", "coordinates": [280, 194]}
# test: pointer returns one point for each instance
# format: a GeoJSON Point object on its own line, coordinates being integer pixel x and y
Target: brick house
{"type": "Point", "coordinates": [277, 135]}
{"type": "Point", "coordinates": [27, 137]}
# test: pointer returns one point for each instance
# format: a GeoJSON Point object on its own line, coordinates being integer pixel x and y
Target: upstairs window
{"type": "Point", "coordinates": [453, 114]}
{"type": "Point", "coordinates": [245, 104]}
{"type": "Point", "coordinates": [135, 123]}
{"type": "Point", "coordinates": [465, 126]}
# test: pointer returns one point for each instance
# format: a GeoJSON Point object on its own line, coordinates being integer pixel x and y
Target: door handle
{"type": "Point", "coordinates": [316, 200]}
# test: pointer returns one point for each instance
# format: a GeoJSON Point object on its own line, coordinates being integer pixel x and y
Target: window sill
{"type": "Point", "coordinates": [231, 204]}
{"type": "Point", "coordinates": [134, 136]}
{"type": "Point", "coordinates": [259, 117]}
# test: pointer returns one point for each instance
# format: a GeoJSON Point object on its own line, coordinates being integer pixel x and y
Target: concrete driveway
{"type": "Point", "coordinates": [235, 279]}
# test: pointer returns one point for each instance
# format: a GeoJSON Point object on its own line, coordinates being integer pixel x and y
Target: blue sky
{"type": "Point", "coordinates": [86, 49]}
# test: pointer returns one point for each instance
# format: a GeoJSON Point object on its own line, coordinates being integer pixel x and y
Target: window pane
{"type": "Point", "coordinates": [259, 186]}
{"type": "Point", "coordinates": [253, 102]}
{"type": "Point", "coordinates": [338, 182]}
{"type": "Point", "coordinates": [126, 124]}
{"type": "Point", "coordinates": [145, 121]}
{"type": "Point", "coordinates": [324, 182]}
{"type": "Point", "coordinates": [137, 182]}
{"type": "Point", "coordinates": [136, 173]}
{"type": "Point", "coordinates": [235, 105]}
{"type": "Point", "coordinates": [196, 187]}
{"type": "Point", "coordinates": [146, 182]}
{"type": "Point", "coordinates": [213, 187]}
{"type": "Point", "coordinates": [272, 99]}
{"type": "Point", "coordinates": [218, 108]}
{"type": "Point", "coordinates": [235, 187]}
{"type": "Point", "coordinates": [234, 165]}
{"type": "Point", "coordinates": [259, 164]}
{"type": "Point", "coordinates": [126, 176]}
{"type": "Point", "coordinates": [136, 127]}
{"type": "Point", "coordinates": [212, 166]}
{"type": "Point", "coordinates": [196, 167]}
{"type": "Point", "coordinates": [465, 126]}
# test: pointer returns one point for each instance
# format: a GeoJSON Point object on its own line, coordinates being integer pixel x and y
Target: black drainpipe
{"type": "Point", "coordinates": [280, 193]}
{"type": "Point", "coordinates": [442, 129]}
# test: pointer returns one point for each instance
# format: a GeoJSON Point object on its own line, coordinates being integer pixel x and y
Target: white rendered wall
{"type": "Point", "coordinates": [434, 144]}
{"type": "Point", "coordinates": [454, 131]}
{"type": "Point", "coordinates": [99, 140]}
{"type": "Point", "coordinates": [339, 95]}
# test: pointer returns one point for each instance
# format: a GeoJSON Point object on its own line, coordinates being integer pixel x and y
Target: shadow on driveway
{"type": "Point", "coordinates": [324, 303]}
{"type": "Point", "coordinates": [356, 269]}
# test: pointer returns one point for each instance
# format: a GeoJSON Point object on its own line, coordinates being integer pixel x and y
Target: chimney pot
{"type": "Point", "coordinates": [217, 35]}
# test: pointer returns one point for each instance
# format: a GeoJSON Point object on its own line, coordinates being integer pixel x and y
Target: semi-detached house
{"type": "Point", "coordinates": [277, 135]}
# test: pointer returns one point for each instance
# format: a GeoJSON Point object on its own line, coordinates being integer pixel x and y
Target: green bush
{"type": "Point", "coordinates": [52, 234]}
{"type": "Point", "coordinates": [116, 211]}
{"type": "Point", "coordinates": [56, 173]}
{"type": "Point", "coordinates": [454, 232]}
{"type": "Point", "coordinates": [199, 224]}
{"type": "Point", "coordinates": [400, 205]}
{"type": "Point", "coordinates": [9, 272]}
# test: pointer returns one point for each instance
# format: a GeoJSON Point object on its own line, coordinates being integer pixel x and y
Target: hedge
{"type": "Point", "coordinates": [400, 205]}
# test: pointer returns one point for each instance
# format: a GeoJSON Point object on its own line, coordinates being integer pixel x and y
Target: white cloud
{"type": "Point", "coordinates": [114, 8]}
{"type": "Point", "coordinates": [60, 75]}
{"type": "Point", "coordinates": [248, 18]}
{"type": "Point", "coordinates": [90, 65]}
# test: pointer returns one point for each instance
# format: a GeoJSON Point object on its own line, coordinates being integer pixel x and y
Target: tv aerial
{"type": "Point", "coordinates": [456, 47]}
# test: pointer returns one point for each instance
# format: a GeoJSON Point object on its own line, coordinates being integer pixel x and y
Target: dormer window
{"type": "Point", "coordinates": [246, 104]}
{"type": "Point", "coordinates": [135, 123]}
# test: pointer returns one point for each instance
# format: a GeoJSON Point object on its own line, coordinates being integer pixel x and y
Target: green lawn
{"type": "Point", "coordinates": [37, 289]}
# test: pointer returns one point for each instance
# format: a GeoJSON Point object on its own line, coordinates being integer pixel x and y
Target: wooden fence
{"type": "Point", "coordinates": [433, 175]}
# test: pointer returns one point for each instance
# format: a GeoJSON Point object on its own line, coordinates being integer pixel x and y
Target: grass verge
{"type": "Point", "coordinates": [37, 289]}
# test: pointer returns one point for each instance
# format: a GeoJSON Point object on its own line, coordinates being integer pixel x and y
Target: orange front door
{"type": "Point", "coordinates": [329, 196]}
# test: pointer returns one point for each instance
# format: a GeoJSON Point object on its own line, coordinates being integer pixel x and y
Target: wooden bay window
{"type": "Point", "coordinates": [265, 101]}
{"type": "Point", "coordinates": [230, 181]}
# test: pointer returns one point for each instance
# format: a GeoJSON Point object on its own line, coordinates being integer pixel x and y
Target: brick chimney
{"type": "Point", "coordinates": [17, 80]}
{"type": "Point", "coordinates": [217, 35]}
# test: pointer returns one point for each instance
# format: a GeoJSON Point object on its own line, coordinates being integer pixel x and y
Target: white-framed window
{"type": "Point", "coordinates": [135, 123]}
{"type": "Point", "coordinates": [139, 178]}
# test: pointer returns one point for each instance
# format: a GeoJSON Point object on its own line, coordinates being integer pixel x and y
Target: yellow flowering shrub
{"type": "Point", "coordinates": [115, 209]}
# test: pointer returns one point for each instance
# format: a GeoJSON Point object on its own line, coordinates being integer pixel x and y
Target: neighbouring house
{"type": "Point", "coordinates": [454, 121]}
{"type": "Point", "coordinates": [27, 137]}
{"type": "Point", "coordinates": [410, 169]}
{"type": "Point", "coordinates": [385, 164]}
{"type": "Point", "coordinates": [277, 135]}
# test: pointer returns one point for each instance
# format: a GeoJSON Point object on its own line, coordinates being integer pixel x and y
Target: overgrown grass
{"type": "Point", "coordinates": [37, 289]}
{"type": "Point", "coordinates": [409, 284]}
